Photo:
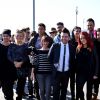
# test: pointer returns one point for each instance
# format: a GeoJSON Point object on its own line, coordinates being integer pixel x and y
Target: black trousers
{"type": "Point", "coordinates": [7, 88]}
{"type": "Point", "coordinates": [30, 84]}
{"type": "Point", "coordinates": [60, 85]}
{"type": "Point", "coordinates": [81, 79]}
{"type": "Point", "coordinates": [96, 86]}
{"type": "Point", "coordinates": [72, 83]}
{"type": "Point", "coordinates": [20, 87]}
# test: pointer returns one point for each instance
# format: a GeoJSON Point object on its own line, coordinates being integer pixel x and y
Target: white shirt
{"type": "Point", "coordinates": [60, 65]}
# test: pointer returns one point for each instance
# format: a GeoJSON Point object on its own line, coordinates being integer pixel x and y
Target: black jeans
{"type": "Point", "coordinates": [20, 87]}
{"type": "Point", "coordinates": [95, 86]}
{"type": "Point", "coordinates": [72, 84]}
{"type": "Point", "coordinates": [80, 81]}
{"type": "Point", "coordinates": [60, 85]}
{"type": "Point", "coordinates": [7, 88]}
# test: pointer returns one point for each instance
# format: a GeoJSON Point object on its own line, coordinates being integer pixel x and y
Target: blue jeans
{"type": "Point", "coordinates": [44, 81]}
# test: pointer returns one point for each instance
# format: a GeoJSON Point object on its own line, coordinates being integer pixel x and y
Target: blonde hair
{"type": "Point", "coordinates": [19, 32]}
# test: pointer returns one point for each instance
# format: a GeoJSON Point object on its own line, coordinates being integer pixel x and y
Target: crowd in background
{"type": "Point", "coordinates": [51, 60]}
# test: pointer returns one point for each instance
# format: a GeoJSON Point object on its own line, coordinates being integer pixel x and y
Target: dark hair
{"type": "Point", "coordinates": [91, 20]}
{"type": "Point", "coordinates": [33, 33]}
{"type": "Point", "coordinates": [53, 29]}
{"type": "Point", "coordinates": [76, 27]}
{"type": "Point", "coordinates": [25, 29]}
{"type": "Point", "coordinates": [98, 29]}
{"type": "Point", "coordinates": [88, 39]}
{"type": "Point", "coordinates": [43, 25]}
{"type": "Point", "coordinates": [47, 39]}
{"type": "Point", "coordinates": [60, 23]}
{"type": "Point", "coordinates": [19, 31]}
{"type": "Point", "coordinates": [65, 30]}
{"type": "Point", "coordinates": [7, 31]}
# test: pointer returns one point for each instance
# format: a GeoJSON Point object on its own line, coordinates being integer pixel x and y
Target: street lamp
{"type": "Point", "coordinates": [76, 11]}
{"type": "Point", "coordinates": [33, 15]}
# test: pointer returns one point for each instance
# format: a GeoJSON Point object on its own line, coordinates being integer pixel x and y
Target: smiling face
{"type": "Point", "coordinates": [45, 42]}
{"type": "Point", "coordinates": [6, 38]}
{"type": "Point", "coordinates": [60, 28]}
{"type": "Point", "coordinates": [77, 33]}
{"type": "Point", "coordinates": [20, 37]}
{"type": "Point", "coordinates": [64, 38]}
{"type": "Point", "coordinates": [83, 39]}
{"type": "Point", "coordinates": [90, 26]}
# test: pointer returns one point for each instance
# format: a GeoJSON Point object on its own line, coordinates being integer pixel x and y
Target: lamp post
{"type": "Point", "coordinates": [83, 22]}
{"type": "Point", "coordinates": [33, 15]}
{"type": "Point", "coordinates": [76, 11]}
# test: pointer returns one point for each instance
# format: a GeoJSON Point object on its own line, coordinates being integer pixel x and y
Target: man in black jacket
{"type": "Point", "coordinates": [62, 56]}
{"type": "Point", "coordinates": [7, 69]}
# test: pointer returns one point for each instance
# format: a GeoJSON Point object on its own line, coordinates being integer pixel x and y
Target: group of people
{"type": "Point", "coordinates": [51, 60]}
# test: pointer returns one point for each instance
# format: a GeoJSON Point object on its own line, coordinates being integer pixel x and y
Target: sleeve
{"type": "Point", "coordinates": [10, 53]}
{"type": "Point", "coordinates": [51, 53]}
{"type": "Point", "coordinates": [31, 42]}
{"type": "Point", "coordinates": [96, 64]}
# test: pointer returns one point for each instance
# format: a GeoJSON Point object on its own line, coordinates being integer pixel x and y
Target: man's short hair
{"type": "Point", "coordinates": [65, 30]}
{"type": "Point", "coordinates": [60, 23]}
{"type": "Point", "coordinates": [43, 25]}
{"type": "Point", "coordinates": [91, 20]}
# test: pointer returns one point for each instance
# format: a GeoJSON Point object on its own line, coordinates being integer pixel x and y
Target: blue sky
{"type": "Point", "coordinates": [16, 14]}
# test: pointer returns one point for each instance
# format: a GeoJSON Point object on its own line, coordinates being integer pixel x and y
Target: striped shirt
{"type": "Point", "coordinates": [44, 66]}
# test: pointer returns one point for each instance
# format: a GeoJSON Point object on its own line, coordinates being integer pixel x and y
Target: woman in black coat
{"type": "Point", "coordinates": [87, 66]}
{"type": "Point", "coordinates": [74, 41]}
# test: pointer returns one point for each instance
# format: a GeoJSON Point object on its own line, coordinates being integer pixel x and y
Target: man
{"type": "Point", "coordinates": [53, 32]}
{"type": "Point", "coordinates": [62, 56]}
{"type": "Point", "coordinates": [97, 81]}
{"type": "Point", "coordinates": [93, 35]}
{"type": "Point", "coordinates": [27, 34]}
{"type": "Point", "coordinates": [36, 42]}
{"type": "Point", "coordinates": [7, 69]}
{"type": "Point", "coordinates": [90, 28]}
{"type": "Point", "coordinates": [60, 27]}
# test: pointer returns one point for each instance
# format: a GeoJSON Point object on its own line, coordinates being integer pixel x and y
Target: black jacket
{"type": "Point", "coordinates": [7, 68]}
{"type": "Point", "coordinates": [54, 54]}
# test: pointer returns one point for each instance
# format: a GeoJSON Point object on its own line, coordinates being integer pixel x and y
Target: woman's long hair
{"type": "Point", "coordinates": [90, 44]}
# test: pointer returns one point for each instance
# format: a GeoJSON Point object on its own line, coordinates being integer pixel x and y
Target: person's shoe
{"type": "Point", "coordinates": [25, 94]}
{"type": "Point", "coordinates": [94, 96]}
{"type": "Point", "coordinates": [73, 98]}
{"type": "Point", "coordinates": [18, 98]}
{"type": "Point", "coordinates": [31, 96]}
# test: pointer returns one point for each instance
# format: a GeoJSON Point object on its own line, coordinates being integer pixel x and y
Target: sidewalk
{"type": "Point", "coordinates": [68, 94]}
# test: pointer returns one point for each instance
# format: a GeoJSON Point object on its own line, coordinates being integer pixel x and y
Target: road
{"type": "Point", "coordinates": [68, 94]}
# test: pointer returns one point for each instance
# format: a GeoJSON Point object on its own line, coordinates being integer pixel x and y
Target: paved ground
{"type": "Point", "coordinates": [68, 95]}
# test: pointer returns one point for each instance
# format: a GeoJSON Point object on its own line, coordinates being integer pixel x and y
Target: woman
{"type": "Point", "coordinates": [44, 69]}
{"type": "Point", "coordinates": [87, 66]}
{"type": "Point", "coordinates": [7, 68]}
{"type": "Point", "coordinates": [17, 54]}
{"type": "Point", "coordinates": [74, 41]}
